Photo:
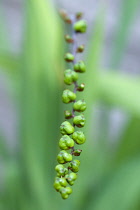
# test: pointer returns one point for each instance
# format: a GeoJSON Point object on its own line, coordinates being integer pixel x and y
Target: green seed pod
{"type": "Point", "coordinates": [74, 165]}
{"type": "Point", "coordinates": [80, 67]}
{"type": "Point", "coordinates": [71, 178]}
{"type": "Point", "coordinates": [63, 182]}
{"type": "Point", "coordinates": [60, 158]}
{"type": "Point", "coordinates": [64, 157]}
{"type": "Point", "coordinates": [68, 114]}
{"type": "Point", "coordinates": [66, 142]}
{"type": "Point", "coordinates": [68, 190]}
{"type": "Point", "coordinates": [81, 87]}
{"type": "Point", "coordinates": [81, 48]}
{"type": "Point", "coordinates": [68, 96]}
{"type": "Point", "coordinates": [69, 57]}
{"type": "Point", "coordinates": [77, 152]}
{"type": "Point", "coordinates": [61, 170]}
{"type": "Point", "coordinates": [79, 106]}
{"type": "Point", "coordinates": [66, 128]}
{"type": "Point", "coordinates": [67, 156]}
{"type": "Point", "coordinates": [57, 184]}
{"type": "Point", "coordinates": [80, 26]}
{"type": "Point", "coordinates": [68, 38]}
{"type": "Point", "coordinates": [70, 76]}
{"type": "Point", "coordinates": [64, 192]}
{"type": "Point", "coordinates": [64, 196]}
{"type": "Point", "coordinates": [79, 137]}
{"type": "Point", "coordinates": [79, 121]}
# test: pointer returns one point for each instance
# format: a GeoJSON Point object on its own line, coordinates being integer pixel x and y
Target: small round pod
{"type": "Point", "coordinates": [70, 76]}
{"type": "Point", "coordinates": [68, 38]}
{"type": "Point", "coordinates": [79, 137]}
{"type": "Point", "coordinates": [68, 96]}
{"type": "Point", "coordinates": [81, 87]}
{"type": "Point", "coordinates": [61, 170]}
{"type": "Point", "coordinates": [80, 26]}
{"type": "Point", "coordinates": [68, 20]}
{"type": "Point", "coordinates": [79, 15]}
{"type": "Point", "coordinates": [80, 48]}
{"type": "Point", "coordinates": [74, 166]}
{"type": "Point", "coordinates": [69, 57]}
{"type": "Point", "coordinates": [79, 106]}
{"type": "Point", "coordinates": [66, 128]}
{"type": "Point", "coordinates": [77, 152]}
{"type": "Point", "coordinates": [79, 121]}
{"type": "Point", "coordinates": [66, 142]}
{"type": "Point", "coordinates": [68, 114]}
{"type": "Point", "coordinates": [80, 67]}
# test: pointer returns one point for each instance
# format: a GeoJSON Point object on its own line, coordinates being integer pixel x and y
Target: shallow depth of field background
{"type": "Point", "coordinates": [31, 83]}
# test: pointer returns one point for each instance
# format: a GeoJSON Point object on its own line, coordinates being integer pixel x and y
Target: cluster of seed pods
{"type": "Point", "coordinates": [67, 174]}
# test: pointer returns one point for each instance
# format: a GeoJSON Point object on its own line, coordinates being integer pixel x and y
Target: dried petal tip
{"type": "Point", "coordinates": [64, 16]}
{"type": "Point", "coordinates": [68, 38]}
{"type": "Point", "coordinates": [63, 13]}
{"type": "Point", "coordinates": [81, 48]}
{"type": "Point", "coordinates": [79, 15]}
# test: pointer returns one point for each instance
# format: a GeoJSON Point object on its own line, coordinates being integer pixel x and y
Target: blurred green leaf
{"type": "Point", "coordinates": [121, 190]}
{"type": "Point", "coordinates": [128, 13]}
{"type": "Point", "coordinates": [9, 63]}
{"type": "Point", "coordinates": [4, 41]}
{"type": "Point", "coordinates": [120, 91]}
{"type": "Point", "coordinates": [40, 89]}
{"type": "Point", "coordinates": [129, 143]}
{"type": "Point", "coordinates": [4, 149]}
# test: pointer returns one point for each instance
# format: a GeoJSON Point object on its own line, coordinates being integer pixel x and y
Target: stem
{"type": "Point", "coordinates": [74, 51]}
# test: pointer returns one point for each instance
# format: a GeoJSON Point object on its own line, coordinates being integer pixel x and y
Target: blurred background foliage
{"type": "Point", "coordinates": [109, 177]}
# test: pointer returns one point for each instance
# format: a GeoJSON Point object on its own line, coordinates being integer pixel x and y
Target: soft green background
{"type": "Point", "coordinates": [109, 176]}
